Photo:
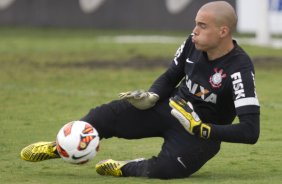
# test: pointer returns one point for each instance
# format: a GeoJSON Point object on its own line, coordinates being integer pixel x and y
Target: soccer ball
{"type": "Point", "coordinates": [77, 142]}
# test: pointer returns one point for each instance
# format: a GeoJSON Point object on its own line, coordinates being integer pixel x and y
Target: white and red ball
{"type": "Point", "coordinates": [77, 142]}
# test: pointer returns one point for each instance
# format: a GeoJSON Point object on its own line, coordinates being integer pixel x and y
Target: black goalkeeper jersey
{"type": "Point", "coordinates": [219, 89]}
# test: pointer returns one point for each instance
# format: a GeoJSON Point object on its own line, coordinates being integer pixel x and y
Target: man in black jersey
{"type": "Point", "coordinates": [191, 105]}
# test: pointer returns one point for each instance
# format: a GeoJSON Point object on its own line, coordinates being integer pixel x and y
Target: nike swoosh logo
{"type": "Point", "coordinates": [180, 161]}
{"type": "Point", "coordinates": [76, 158]}
{"type": "Point", "coordinates": [189, 61]}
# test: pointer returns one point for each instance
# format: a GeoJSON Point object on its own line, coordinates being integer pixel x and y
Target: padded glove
{"type": "Point", "coordinates": [140, 99]}
{"type": "Point", "coordinates": [184, 112]}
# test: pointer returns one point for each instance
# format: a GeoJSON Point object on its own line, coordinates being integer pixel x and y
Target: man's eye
{"type": "Point", "coordinates": [203, 26]}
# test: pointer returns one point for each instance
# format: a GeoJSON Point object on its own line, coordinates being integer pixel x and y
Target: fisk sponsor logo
{"type": "Point", "coordinates": [200, 91]}
{"type": "Point", "coordinates": [238, 85]}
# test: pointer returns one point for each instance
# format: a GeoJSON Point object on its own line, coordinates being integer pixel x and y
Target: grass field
{"type": "Point", "coordinates": [49, 77]}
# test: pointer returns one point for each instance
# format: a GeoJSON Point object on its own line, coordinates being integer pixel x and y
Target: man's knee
{"type": "Point", "coordinates": [102, 119]}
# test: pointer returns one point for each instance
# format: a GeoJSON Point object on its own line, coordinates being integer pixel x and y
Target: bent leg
{"type": "Point", "coordinates": [182, 154]}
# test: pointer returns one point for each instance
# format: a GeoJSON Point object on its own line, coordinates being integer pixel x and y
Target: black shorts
{"type": "Point", "coordinates": [181, 155]}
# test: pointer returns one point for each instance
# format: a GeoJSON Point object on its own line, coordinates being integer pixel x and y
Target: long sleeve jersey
{"type": "Point", "coordinates": [219, 90]}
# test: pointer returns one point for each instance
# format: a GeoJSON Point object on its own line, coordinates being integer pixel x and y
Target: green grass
{"type": "Point", "coordinates": [51, 45]}
{"type": "Point", "coordinates": [38, 96]}
{"type": "Point", "coordinates": [80, 45]}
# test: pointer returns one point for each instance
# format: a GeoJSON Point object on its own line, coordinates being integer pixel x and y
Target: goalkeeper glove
{"type": "Point", "coordinates": [140, 99]}
{"type": "Point", "coordinates": [190, 120]}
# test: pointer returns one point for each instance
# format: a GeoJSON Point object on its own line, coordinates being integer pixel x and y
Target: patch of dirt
{"type": "Point", "coordinates": [265, 60]}
{"type": "Point", "coordinates": [144, 64]}
{"type": "Point", "coordinates": [135, 64]}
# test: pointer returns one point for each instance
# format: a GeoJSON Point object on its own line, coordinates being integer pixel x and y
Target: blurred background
{"type": "Point", "coordinates": [259, 17]}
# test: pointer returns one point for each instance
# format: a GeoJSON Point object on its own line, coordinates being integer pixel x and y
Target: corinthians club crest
{"type": "Point", "coordinates": [216, 78]}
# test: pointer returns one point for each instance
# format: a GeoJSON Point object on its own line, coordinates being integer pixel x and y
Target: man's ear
{"type": "Point", "coordinates": [224, 31]}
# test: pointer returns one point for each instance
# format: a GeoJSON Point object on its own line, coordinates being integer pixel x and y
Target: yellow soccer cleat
{"type": "Point", "coordinates": [113, 168]}
{"type": "Point", "coordinates": [40, 151]}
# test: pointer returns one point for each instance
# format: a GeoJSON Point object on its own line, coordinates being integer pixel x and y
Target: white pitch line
{"type": "Point", "coordinates": [142, 39]}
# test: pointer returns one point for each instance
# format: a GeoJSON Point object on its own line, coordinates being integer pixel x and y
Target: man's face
{"type": "Point", "coordinates": [206, 32]}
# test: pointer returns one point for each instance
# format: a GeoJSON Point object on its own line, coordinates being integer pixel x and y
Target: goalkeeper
{"type": "Point", "coordinates": [191, 105]}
